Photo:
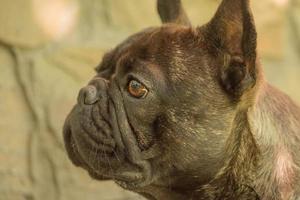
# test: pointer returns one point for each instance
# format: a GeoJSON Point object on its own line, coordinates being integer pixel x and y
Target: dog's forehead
{"type": "Point", "coordinates": [159, 41]}
{"type": "Point", "coordinates": [152, 43]}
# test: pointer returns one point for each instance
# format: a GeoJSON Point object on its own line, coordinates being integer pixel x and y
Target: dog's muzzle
{"type": "Point", "coordinates": [88, 131]}
{"type": "Point", "coordinates": [99, 138]}
{"type": "Point", "coordinates": [94, 115]}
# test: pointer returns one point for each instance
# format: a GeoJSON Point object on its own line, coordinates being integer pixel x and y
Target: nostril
{"type": "Point", "coordinates": [88, 95]}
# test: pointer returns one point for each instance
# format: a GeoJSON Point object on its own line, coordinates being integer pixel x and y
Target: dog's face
{"type": "Point", "coordinates": [160, 108]}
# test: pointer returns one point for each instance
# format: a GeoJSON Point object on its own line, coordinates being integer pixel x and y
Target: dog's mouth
{"type": "Point", "coordinates": [106, 170]}
{"type": "Point", "coordinates": [94, 144]}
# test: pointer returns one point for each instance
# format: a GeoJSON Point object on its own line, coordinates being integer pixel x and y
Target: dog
{"type": "Point", "coordinates": [179, 112]}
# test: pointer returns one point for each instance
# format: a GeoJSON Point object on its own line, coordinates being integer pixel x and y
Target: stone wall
{"type": "Point", "coordinates": [48, 49]}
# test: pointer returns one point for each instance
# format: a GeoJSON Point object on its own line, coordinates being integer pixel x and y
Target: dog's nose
{"type": "Point", "coordinates": [88, 95]}
{"type": "Point", "coordinates": [93, 92]}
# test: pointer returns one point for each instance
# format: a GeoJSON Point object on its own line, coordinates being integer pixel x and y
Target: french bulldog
{"type": "Point", "coordinates": [178, 112]}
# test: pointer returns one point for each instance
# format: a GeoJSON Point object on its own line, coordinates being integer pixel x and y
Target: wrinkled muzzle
{"type": "Point", "coordinates": [98, 136]}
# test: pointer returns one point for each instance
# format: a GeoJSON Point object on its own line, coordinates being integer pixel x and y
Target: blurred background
{"type": "Point", "coordinates": [48, 50]}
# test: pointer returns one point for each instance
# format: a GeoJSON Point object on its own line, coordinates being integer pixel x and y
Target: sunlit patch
{"type": "Point", "coordinates": [281, 2]}
{"type": "Point", "coordinates": [56, 18]}
{"type": "Point", "coordinates": [284, 172]}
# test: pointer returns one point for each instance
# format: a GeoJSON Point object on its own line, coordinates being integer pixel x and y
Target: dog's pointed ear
{"type": "Point", "coordinates": [233, 31]}
{"type": "Point", "coordinates": [171, 11]}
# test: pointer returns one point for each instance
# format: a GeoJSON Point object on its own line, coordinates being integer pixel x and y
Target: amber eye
{"type": "Point", "coordinates": [137, 89]}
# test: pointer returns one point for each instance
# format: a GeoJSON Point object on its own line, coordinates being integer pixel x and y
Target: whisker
{"type": "Point", "coordinates": [109, 165]}
{"type": "Point", "coordinates": [116, 155]}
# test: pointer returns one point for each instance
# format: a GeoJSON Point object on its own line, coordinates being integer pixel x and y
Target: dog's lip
{"type": "Point", "coordinates": [127, 173]}
{"type": "Point", "coordinates": [125, 176]}
{"type": "Point", "coordinates": [78, 161]}
{"type": "Point", "coordinates": [71, 146]}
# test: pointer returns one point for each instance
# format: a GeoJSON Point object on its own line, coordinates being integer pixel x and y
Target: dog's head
{"type": "Point", "coordinates": [160, 108]}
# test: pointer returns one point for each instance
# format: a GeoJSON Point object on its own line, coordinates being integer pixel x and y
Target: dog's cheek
{"type": "Point", "coordinates": [143, 117]}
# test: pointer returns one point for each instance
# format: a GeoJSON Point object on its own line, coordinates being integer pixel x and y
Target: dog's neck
{"type": "Point", "coordinates": [264, 145]}
{"type": "Point", "coordinates": [275, 124]}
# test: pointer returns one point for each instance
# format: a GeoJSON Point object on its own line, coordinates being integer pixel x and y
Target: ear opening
{"type": "Point", "coordinates": [171, 11]}
{"type": "Point", "coordinates": [235, 77]}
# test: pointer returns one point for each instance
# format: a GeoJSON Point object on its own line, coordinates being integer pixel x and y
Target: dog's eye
{"type": "Point", "coordinates": [137, 89]}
